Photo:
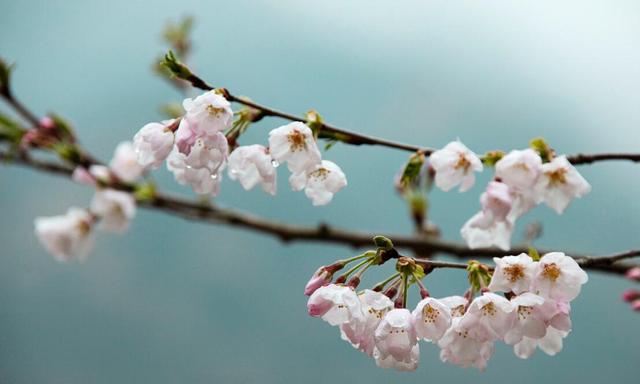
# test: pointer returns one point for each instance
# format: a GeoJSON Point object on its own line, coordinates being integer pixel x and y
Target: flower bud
{"type": "Point", "coordinates": [630, 295]}
{"type": "Point", "coordinates": [633, 274]}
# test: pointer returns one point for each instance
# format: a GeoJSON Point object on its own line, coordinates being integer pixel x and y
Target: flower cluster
{"type": "Point", "coordinates": [534, 311]}
{"type": "Point", "coordinates": [70, 236]}
{"type": "Point", "coordinates": [523, 179]}
{"type": "Point", "coordinates": [197, 151]}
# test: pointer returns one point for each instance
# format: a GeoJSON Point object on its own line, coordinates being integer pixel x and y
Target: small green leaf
{"type": "Point", "coordinates": [145, 192]}
{"type": "Point", "coordinates": [411, 172]}
{"type": "Point", "coordinates": [542, 147]}
{"type": "Point", "coordinates": [492, 157]}
{"type": "Point", "coordinates": [383, 242]}
{"type": "Point", "coordinates": [533, 253]}
{"type": "Point", "coordinates": [174, 65]}
{"type": "Point", "coordinates": [10, 130]}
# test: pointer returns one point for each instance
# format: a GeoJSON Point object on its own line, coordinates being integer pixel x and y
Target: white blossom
{"type": "Point", "coordinates": [208, 151]}
{"type": "Point", "coordinates": [66, 236]}
{"type": "Point", "coordinates": [560, 183]}
{"type": "Point", "coordinates": [252, 165]}
{"type": "Point", "coordinates": [519, 169]}
{"type": "Point", "coordinates": [496, 200]}
{"type": "Point", "coordinates": [396, 341]}
{"type": "Point", "coordinates": [512, 273]}
{"type": "Point", "coordinates": [483, 230]}
{"type": "Point", "coordinates": [320, 182]}
{"type": "Point", "coordinates": [489, 317]}
{"type": "Point", "coordinates": [153, 143]}
{"type": "Point", "coordinates": [208, 113]}
{"type": "Point", "coordinates": [431, 319]}
{"type": "Point", "coordinates": [360, 331]}
{"type": "Point", "coordinates": [531, 318]}
{"type": "Point", "coordinates": [455, 164]}
{"type": "Point", "coordinates": [558, 277]}
{"type": "Point", "coordinates": [550, 344]}
{"type": "Point", "coordinates": [125, 163]}
{"type": "Point", "coordinates": [335, 304]}
{"type": "Point", "coordinates": [115, 209]}
{"type": "Point", "coordinates": [294, 144]}
{"type": "Point", "coordinates": [461, 348]}
{"type": "Point", "coordinates": [201, 180]}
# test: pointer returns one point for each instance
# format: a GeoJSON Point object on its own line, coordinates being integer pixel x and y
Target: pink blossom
{"type": "Point", "coordinates": [489, 317]}
{"type": "Point", "coordinates": [512, 273]}
{"type": "Point", "coordinates": [560, 183]}
{"type": "Point", "coordinates": [252, 165]}
{"type": "Point", "coordinates": [335, 304]}
{"type": "Point", "coordinates": [66, 236]}
{"type": "Point", "coordinates": [125, 163]}
{"type": "Point", "coordinates": [360, 332]}
{"type": "Point", "coordinates": [633, 274]}
{"type": "Point", "coordinates": [630, 295]}
{"type": "Point", "coordinates": [395, 337]}
{"type": "Point", "coordinates": [455, 164]}
{"type": "Point", "coordinates": [558, 277]}
{"type": "Point", "coordinates": [460, 347]}
{"type": "Point", "coordinates": [153, 143]}
{"type": "Point", "coordinates": [114, 208]}
{"type": "Point", "coordinates": [431, 319]}
{"type": "Point", "coordinates": [496, 200]}
{"type": "Point", "coordinates": [208, 113]}
{"type": "Point", "coordinates": [550, 344]}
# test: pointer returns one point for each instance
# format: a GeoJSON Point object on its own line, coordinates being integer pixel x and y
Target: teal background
{"type": "Point", "coordinates": [179, 302]}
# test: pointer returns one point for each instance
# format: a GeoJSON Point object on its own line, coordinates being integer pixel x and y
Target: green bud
{"type": "Point", "coordinates": [542, 147]}
{"type": "Point", "coordinates": [383, 242]}
{"type": "Point", "coordinates": [533, 253]}
{"type": "Point", "coordinates": [174, 66]}
{"type": "Point", "coordinates": [10, 130]}
{"type": "Point", "coordinates": [314, 121]}
{"type": "Point", "coordinates": [172, 110]}
{"type": "Point", "coordinates": [63, 127]}
{"type": "Point", "coordinates": [479, 275]}
{"type": "Point", "coordinates": [411, 172]}
{"type": "Point", "coordinates": [145, 192]}
{"type": "Point", "coordinates": [68, 152]}
{"type": "Point", "coordinates": [492, 157]}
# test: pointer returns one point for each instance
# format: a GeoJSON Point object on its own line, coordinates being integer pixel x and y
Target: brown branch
{"type": "Point", "coordinates": [324, 233]}
{"type": "Point", "coordinates": [355, 138]}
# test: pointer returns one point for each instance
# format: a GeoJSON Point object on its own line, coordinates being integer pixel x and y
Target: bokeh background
{"type": "Point", "coordinates": [179, 302]}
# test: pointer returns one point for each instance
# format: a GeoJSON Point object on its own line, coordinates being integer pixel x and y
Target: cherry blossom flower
{"type": "Point", "coordinates": [360, 332]}
{"type": "Point", "coordinates": [335, 304]}
{"type": "Point", "coordinates": [395, 338]}
{"type": "Point", "coordinates": [550, 344]}
{"type": "Point", "coordinates": [460, 347]}
{"type": "Point", "coordinates": [115, 209]}
{"type": "Point", "coordinates": [410, 364]}
{"type": "Point", "coordinates": [483, 230]}
{"type": "Point", "coordinates": [320, 278]}
{"type": "Point", "coordinates": [320, 182]}
{"type": "Point", "coordinates": [431, 319]}
{"type": "Point", "coordinates": [100, 173]}
{"type": "Point", "coordinates": [512, 273]}
{"type": "Point", "coordinates": [489, 317]}
{"type": "Point", "coordinates": [252, 165]}
{"type": "Point", "coordinates": [201, 180]}
{"type": "Point", "coordinates": [520, 169]}
{"type": "Point", "coordinates": [496, 200]}
{"type": "Point", "coordinates": [457, 305]}
{"type": "Point", "coordinates": [558, 277]}
{"type": "Point", "coordinates": [208, 152]}
{"type": "Point", "coordinates": [125, 163]}
{"type": "Point", "coordinates": [294, 144]}
{"type": "Point", "coordinates": [81, 175]}
{"type": "Point", "coordinates": [455, 164]}
{"type": "Point", "coordinates": [560, 183]}
{"type": "Point", "coordinates": [531, 318]}
{"type": "Point", "coordinates": [208, 113]}
{"type": "Point", "coordinates": [67, 236]}
{"type": "Point", "coordinates": [153, 143]}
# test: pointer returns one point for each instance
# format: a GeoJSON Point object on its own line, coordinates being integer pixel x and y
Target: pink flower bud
{"type": "Point", "coordinates": [47, 123]}
{"type": "Point", "coordinates": [319, 279]}
{"type": "Point", "coordinates": [630, 295]}
{"type": "Point", "coordinates": [635, 305]}
{"type": "Point", "coordinates": [82, 176]}
{"type": "Point", "coordinates": [633, 274]}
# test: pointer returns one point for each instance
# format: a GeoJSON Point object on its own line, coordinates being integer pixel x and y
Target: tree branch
{"type": "Point", "coordinates": [324, 233]}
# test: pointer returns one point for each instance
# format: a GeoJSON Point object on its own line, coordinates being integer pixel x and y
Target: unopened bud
{"type": "Point", "coordinates": [630, 295]}
{"type": "Point", "coordinates": [633, 274]}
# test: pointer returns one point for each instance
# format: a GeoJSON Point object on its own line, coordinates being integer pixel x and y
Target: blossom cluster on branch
{"type": "Point", "coordinates": [532, 312]}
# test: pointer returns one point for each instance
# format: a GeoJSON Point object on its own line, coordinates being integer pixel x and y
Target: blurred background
{"type": "Point", "coordinates": [175, 301]}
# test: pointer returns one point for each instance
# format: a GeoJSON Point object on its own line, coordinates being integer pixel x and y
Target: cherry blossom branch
{"type": "Point", "coordinates": [324, 233]}
{"type": "Point", "coordinates": [355, 138]}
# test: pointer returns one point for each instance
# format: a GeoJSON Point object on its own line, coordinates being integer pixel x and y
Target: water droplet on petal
{"type": "Point", "coordinates": [214, 176]}
{"type": "Point", "coordinates": [275, 163]}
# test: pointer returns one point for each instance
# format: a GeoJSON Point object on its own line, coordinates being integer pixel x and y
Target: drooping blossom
{"type": "Point", "coordinates": [560, 183]}
{"type": "Point", "coordinates": [114, 208]}
{"type": "Point", "coordinates": [208, 113]}
{"type": "Point", "coordinates": [457, 305]}
{"type": "Point", "coordinates": [335, 304]}
{"type": "Point", "coordinates": [558, 277]}
{"type": "Point", "coordinates": [201, 180]}
{"type": "Point", "coordinates": [489, 317]}
{"type": "Point", "coordinates": [462, 348]}
{"type": "Point", "coordinates": [321, 277]}
{"type": "Point", "coordinates": [550, 344]}
{"type": "Point", "coordinates": [252, 165]}
{"type": "Point", "coordinates": [431, 319]}
{"type": "Point", "coordinates": [496, 201]}
{"type": "Point", "coordinates": [520, 170]}
{"type": "Point", "coordinates": [512, 273]}
{"type": "Point", "coordinates": [531, 318]}
{"type": "Point", "coordinates": [455, 165]}
{"type": "Point", "coordinates": [482, 231]}
{"type": "Point", "coordinates": [294, 144]}
{"type": "Point", "coordinates": [396, 344]}
{"type": "Point", "coordinates": [153, 143]}
{"type": "Point", "coordinates": [68, 236]}
{"type": "Point", "coordinates": [360, 332]}
{"type": "Point", "coordinates": [320, 182]}
{"type": "Point", "coordinates": [124, 163]}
